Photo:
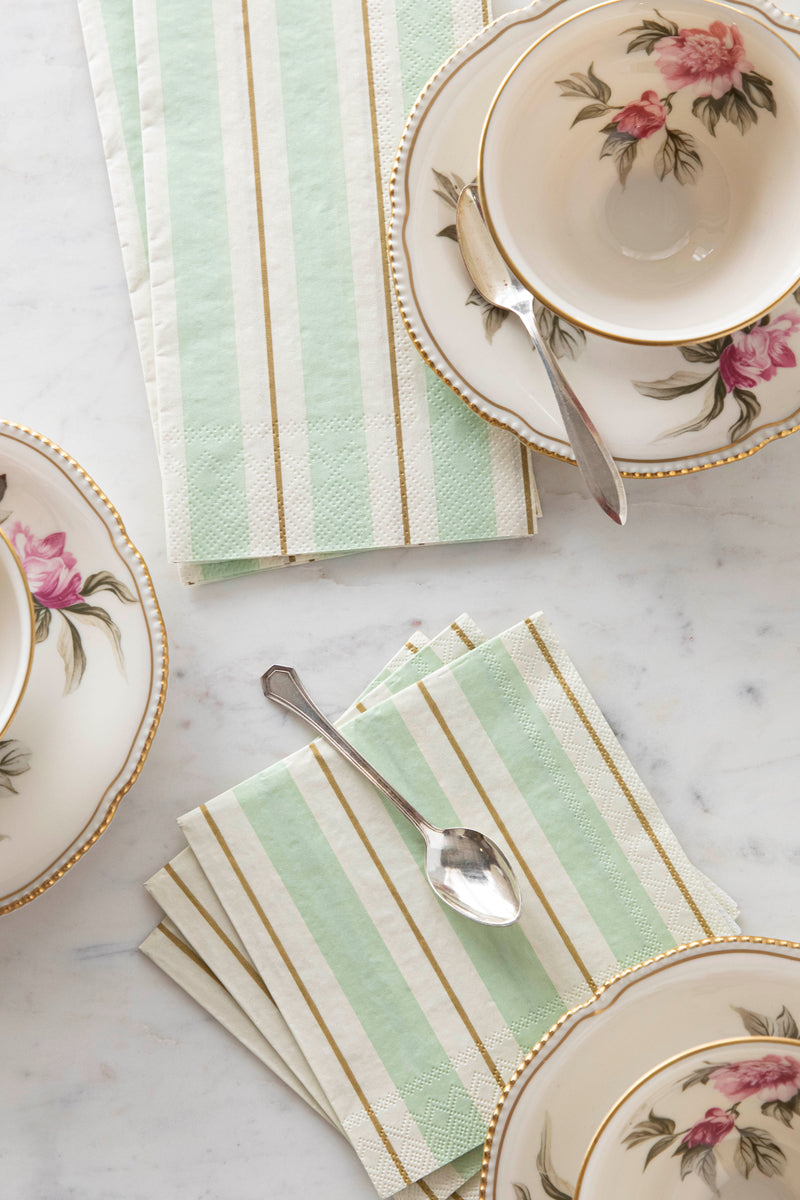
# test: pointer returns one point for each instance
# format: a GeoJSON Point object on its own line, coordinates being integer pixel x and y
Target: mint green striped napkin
{"type": "Point", "coordinates": [198, 947]}
{"type": "Point", "coordinates": [411, 1017]}
{"type": "Point", "coordinates": [249, 165]}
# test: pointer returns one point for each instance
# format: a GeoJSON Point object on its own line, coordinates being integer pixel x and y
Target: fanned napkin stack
{"type": "Point", "coordinates": [249, 161]}
{"type": "Point", "coordinates": [300, 917]}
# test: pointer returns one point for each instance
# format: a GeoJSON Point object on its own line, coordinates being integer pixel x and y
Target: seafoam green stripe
{"type": "Point", "coordinates": [468, 1164]}
{"type": "Point", "coordinates": [465, 502]}
{"type": "Point", "coordinates": [356, 953]}
{"type": "Point", "coordinates": [504, 958]}
{"type": "Point", "coordinates": [118, 25]}
{"type": "Point", "coordinates": [425, 39]}
{"type": "Point", "coordinates": [566, 812]}
{"type": "Point", "coordinates": [230, 569]}
{"type": "Point", "coordinates": [324, 271]}
{"type": "Point", "coordinates": [203, 285]}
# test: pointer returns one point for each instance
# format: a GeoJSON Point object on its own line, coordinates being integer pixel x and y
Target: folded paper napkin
{"type": "Point", "coordinates": [304, 895]}
{"type": "Point", "coordinates": [249, 164]}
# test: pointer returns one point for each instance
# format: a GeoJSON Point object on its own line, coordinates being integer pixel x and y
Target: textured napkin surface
{"type": "Point", "coordinates": [412, 1017]}
{"type": "Point", "coordinates": [199, 948]}
{"type": "Point", "coordinates": [294, 417]}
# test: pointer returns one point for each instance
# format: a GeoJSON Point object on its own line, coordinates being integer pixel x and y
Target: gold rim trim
{"type": "Point", "coordinates": [17, 561]}
{"type": "Point", "coordinates": [511, 21]}
{"type": "Point", "coordinates": [52, 449]}
{"type": "Point", "coordinates": [703, 1048]}
{"type": "Point", "coordinates": [520, 273]}
{"type": "Point", "coordinates": [731, 941]}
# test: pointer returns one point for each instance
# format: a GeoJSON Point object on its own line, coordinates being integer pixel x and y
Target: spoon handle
{"type": "Point", "coordinates": [591, 453]}
{"type": "Point", "coordinates": [282, 684]}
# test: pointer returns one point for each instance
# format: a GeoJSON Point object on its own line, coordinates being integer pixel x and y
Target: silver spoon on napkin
{"type": "Point", "coordinates": [464, 868]}
{"type": "Point", "coordinates": [500, 287]}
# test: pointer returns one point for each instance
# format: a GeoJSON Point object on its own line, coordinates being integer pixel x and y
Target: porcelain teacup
{"type": "Point", "coordinates": [16, 632]}
{"type": "Point", "coordinates": [720, 1120]}
{"type": "Point", "coordinates": [639, 170]}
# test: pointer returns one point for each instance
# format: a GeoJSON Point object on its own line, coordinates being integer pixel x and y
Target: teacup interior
{"type": "Point", "coordinates": [717, 1121]}
{"type": "Point", "coordinates": [611, 197]}
{"type": "Point", "coordinates": [16, 632]}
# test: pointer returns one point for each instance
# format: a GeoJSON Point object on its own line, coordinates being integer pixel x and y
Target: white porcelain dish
{"type": "Point", "coordinates": [662, 411]}
{"type": "Point", "coordinates": [16, 629]}
{"type": "Point", "coordinates": [99, 675]}
{"type": "Point", "coordinates": [555, 1102]}
{"type": "Point", "coordinates": [714, 1121]}
{"type": "Point", "coordinates": [639, 170]}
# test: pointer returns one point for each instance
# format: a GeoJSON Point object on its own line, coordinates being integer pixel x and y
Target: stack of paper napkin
{"type": "Point", "coordinates": [249, 160]}
{"type": "Point", "coordinates": [300, 916]}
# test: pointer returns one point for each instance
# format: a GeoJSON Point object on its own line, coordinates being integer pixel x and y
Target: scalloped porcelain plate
{"type": "Point", "coordinates": [96, 689]}
{"type": "Point", "coordinates": [662, 410]}
{"type": "Point", "coordinates": [556, 1101]}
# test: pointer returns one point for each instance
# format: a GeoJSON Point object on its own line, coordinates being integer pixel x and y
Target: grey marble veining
{"type": "Point", "coordinates": [685, 625]}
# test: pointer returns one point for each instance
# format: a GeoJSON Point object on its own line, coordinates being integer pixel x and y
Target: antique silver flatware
{"type": "Point", "coordinates": [497, 284]}
{"type": "Point", "coordinates": [465, 868]}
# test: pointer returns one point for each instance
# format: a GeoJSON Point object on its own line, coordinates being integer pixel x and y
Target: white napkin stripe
{"type": "Point", "coordinates": [253, 316]}
{"type": "Point", "coordinates": [378, 361]}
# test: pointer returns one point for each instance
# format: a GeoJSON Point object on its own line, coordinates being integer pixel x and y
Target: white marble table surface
{"type": "Point", "coordinates": [685, 625]}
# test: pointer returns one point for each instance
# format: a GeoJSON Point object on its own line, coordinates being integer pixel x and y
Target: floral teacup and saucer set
{"type": "Point", "coordinates": [638, 168]}
{"type": "Point", "coordinates": [92, 659]}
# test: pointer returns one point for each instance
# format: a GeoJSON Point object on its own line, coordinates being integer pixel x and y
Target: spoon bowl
{"type": "Point", "coordinates": [464, 867]}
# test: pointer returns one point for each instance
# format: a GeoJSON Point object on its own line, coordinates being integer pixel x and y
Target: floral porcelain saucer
{"type": "Point", "coordinates": [555, 1103]}
{"type": "Point", "coordinates": [99, 675]}
{"type": "Point", "coordinates": [662, 410]}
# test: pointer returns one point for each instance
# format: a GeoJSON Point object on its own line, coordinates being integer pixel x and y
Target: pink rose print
{"type": "Point", "coordinates": [48, 566]}
{"type": "Point", "coordinates": [774, 1077]}
{"type": "Point", "coordinates": [770, 1083]}
{"type": "Point", "coordinates": [64, 595]}
{"type": "Point", "coordinates": [709, 78]}
{"type": "Point", "coordinates": [756, 355]}
{"type": "Point", "coordinates": [732, 366]}
{"type": "Point", "coordinates": [711, 60]}
{"type": "Point", "coordinates": [642, 117]}
{"type": "Point", "coordinates": [716, 1125]}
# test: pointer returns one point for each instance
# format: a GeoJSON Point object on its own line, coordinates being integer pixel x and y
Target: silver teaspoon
{"type": "Point", "coordinates": [464, 868]}
{"type": "Point", "coordinates": [500, 287]}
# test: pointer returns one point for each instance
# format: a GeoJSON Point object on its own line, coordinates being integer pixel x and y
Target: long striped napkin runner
{"type": "Point", "coordinates": [249, 166]}
{"type": "Point", "coordinates": [410, 1017]}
